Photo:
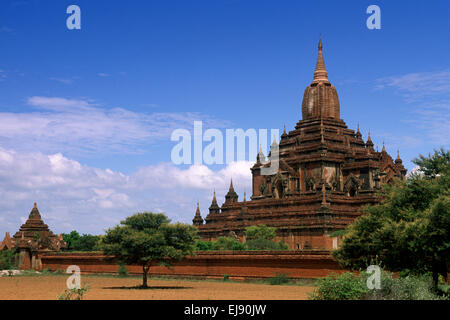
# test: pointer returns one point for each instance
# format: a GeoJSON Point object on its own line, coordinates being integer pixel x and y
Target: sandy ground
{"type": "Point", "coordinates": [110, 288]}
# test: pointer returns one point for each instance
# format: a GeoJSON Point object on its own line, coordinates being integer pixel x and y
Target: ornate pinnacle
{"type": "Point", "coordinates": [369, 142]}
{"type": "Point", "coordinates": [197, 212]}
{"type": "Point", "coordinates": [284, 131]}
{"type": "Point", "coordinates": [198, 220]}
{"type": "Point", "coordinates": [398, 160]}
{"type": "Point", "coordinates": [320, 74]}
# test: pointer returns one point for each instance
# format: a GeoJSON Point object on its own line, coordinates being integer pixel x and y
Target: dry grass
{"type": "Point", "coordinates": [113, 288]}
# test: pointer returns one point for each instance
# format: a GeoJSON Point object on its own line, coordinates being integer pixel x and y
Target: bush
{"type": "Point", "coordinates": [122, 271]}
{"type": "Point", "coordinates": [73, 294]}
{"type": "Point", "coordinates": [227, 243]}
{"type": "Point", "coordinates": [349, 286]}
{"type": "Point", "coordinates": [346, 286]}
{"type": "Point", "coordinates": [226, 277]}
{"type": "Point", "coordinates": [77, 242]}
{"type": "Point", "coordinates": [238, 246]}
{"type": "Point", "coordinates": [260, 231]}
{"type": "Point", "coordinates": [411, 287]}
{"type": "Point", "coordinates": [265, 244]}
{"type": "Point", "coordinates": [279, 279]}
{"type": "Point", "coordinates": [7, 258]}
{"type": "Point", "coordinates": [203, 245]}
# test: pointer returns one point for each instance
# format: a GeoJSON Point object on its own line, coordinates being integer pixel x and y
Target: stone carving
{"type": "Point", "coordinates": [352, 185]}
{"type": "Point", "coordinates": [310, 182]}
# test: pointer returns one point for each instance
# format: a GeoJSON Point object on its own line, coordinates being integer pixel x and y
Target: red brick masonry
{"type": "Point", "coordinates": [211, 264]}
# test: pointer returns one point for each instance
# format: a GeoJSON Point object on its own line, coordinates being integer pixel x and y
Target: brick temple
{"type": "Point", "coordinates": [324, 174]}
{"type": "Point", "coordinates": [32, 240]}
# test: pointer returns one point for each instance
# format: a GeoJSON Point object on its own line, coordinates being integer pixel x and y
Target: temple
{"type": "Point", "coordinates": [33, 238]}
{"type": "Point", "coordinates": [314, 182]}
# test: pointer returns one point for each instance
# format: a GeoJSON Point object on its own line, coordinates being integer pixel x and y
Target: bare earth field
{"type": "Point", "coordinates": [110, 288]}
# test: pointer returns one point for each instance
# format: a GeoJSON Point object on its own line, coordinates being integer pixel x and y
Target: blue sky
{"type": "Point", "coordinates": [86, 115]}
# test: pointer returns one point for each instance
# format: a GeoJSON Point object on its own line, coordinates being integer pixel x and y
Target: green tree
{"type": "Point", "coordinates": [77, 242]}
{"type": "Point", "coordinates": [260, 232]}
{"type": "Point", "coordinates": [227, 243]}
{"type": "Point", "coordinates": [203, 245]}
{"type": "Point", "coordinates": [146, 238]}
{"type": "Point", "coordinates": [265, 244]}
{"type": "Point", "coordinates": [410, 228]}
{"type": "Point", "coordinates": [260, 237]}
{"type": "Point", "coordinates": [86, 242]}
{"type": "Point", "coordinates": [70, 239]}
{"type": "Point", "coordinates": [7, 259]}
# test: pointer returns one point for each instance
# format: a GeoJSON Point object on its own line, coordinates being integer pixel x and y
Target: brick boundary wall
{"type": "Point", "coordinates": [211, 264]}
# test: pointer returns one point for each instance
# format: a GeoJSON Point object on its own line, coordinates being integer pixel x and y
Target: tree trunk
{"type": "Point", "coordinates": [435, 273]}
{"type": "Point", "coordinates": [145, 269]}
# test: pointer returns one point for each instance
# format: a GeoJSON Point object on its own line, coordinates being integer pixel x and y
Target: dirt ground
{"type": "Point", "coordinates": [111, 288]}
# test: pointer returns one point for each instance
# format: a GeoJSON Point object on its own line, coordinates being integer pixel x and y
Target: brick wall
{"type": "Point", "coordinates": [211, 264]}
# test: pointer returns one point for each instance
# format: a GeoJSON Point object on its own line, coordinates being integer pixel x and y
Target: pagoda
{"type": "Point", "coordinates": [314, 181]}
{"type": "Point", "coordinates": [33, 238]}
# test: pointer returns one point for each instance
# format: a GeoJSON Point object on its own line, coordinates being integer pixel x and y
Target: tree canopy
{"type": "Point", "coordinates": [146, 238]}
{"type": "Point", "coordinates": [260, 237]}
{"type": "Point", "coordinates": [260, 232]}
{"type": "Point", "coordinates": [410, 228]}
{"type": "Point", "coordinates": [77, 242]}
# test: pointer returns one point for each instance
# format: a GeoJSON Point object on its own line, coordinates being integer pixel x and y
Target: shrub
{"type": "Point", "coordinates": [260, 231]}
{"type": "Point", "coordinates": [73, 294]}
{"type": "Point", "coordinates": [58, 271]}
{"type": "Point", "coordinates": [238, 246]}
{"type": "Point", "coordinates": [122, 271]}
{"type": "Point", "coordinates": [226, 277]}
{"type": "Point", "coordinates": [352, 287]}
{"type": "Point", "coordinates": [227, 243]}
{"type": "Point", "coordinates": [46, 271]}
{"type": "Point", "coordinates": [7, 259]}
{"type": "Point", "coordinates": [279, 279]}
{"type": "Point", "coordinates": [411, 287]}
{"type": "Point", "coordinates": [265, 244]}
{"type": "Point", "coordinates": [203, 245]}
{"type": "Point", "coordinates": [346, 286]}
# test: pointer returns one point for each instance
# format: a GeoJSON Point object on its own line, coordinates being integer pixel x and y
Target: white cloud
{"type": "Point", "coordinates": [418, 85]}
{"type": "Point", "coordinates": [75, 126]}
{"type": "Point", "coordinates": [63, 80]}
{"type": "Point", "coordinates": [429, 95]}
{"type": "Point", "coordinates": [71, 195]}
{"type": "Point", "coordinates": [60, 104]}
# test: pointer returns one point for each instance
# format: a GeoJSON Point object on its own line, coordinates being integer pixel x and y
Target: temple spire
{"type": "Point", "coordinates": [398, 160]}
{"type": "Point", "coordinates": [320, 74]}
{"type": "Point", "coordinates": [231, 196]}
{"type": "Point", "coordinates": [214, 208]}
{"type": "Point", "coordinates": [198, 220]}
